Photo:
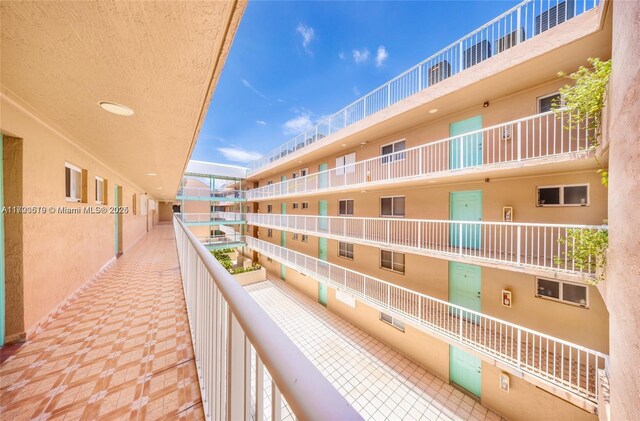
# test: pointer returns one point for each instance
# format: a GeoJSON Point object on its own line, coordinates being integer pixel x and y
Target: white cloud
{"type": "Point", "coordinates": [381, 56]}
{"type": "Point", "coordinates": [261, 122]}
{"type": "Point", "coordinates": [239, 154]}
{"type": "Point", "coordinates": [361, 56]}
{"type": "Point", "coordinates": [341, 55]}
{"type": "Point", "coordinates": [297, 125]}
{"type": "Point", "coordinates": [250, 86]}
{"type": "Point", "coordinates": [307, 34]}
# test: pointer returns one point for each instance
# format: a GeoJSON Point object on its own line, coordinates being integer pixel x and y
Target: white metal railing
{"type": "Point", "coordinates": [565, 365]}
{"type": "Point", "coordinates": [535, 137]}
{"type": "Point", "coordinates": [212, 217]}
{"type": "Point", "coordinates": [229, 330]}
{"type": "Point", "coordinates": [221, 240]}
{"type": "Point", "coordinates": [521, 245]}
{"type": "Point", "coordinates": [524, 21]}
{"type": "Point", "coordinates": [208, 193]}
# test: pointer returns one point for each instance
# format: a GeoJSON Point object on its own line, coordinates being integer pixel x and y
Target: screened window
{"type": "Point", "coordinates": [390, 152]}
{"type": "Point", "coordinates": [345, 207]}
{"type": "Point", "coordinates": [305, 205]}
{"type": "Point", "coordinates": [392, 321]}
{"type": "Point", "coordinates": [305, 238]}
{"type": "Point", "coordinates": [392, 206]}
{"type": "Point", "coordinates": [562, 291]}
{"type": "Point", "coordinates": [574, 195]}
{"type": "Point", "coordinates": [73, 183]}
{"type": "Point", "coordinates": [269, 232]}
{"type": "Point", "coordinates": [344, 164]}
{"type": "Point", "coordinates": [304, 172]}
{"type": "Point", "coordinates": [392, 261]}
{"type": "Point", "coordinates": [269, 208]}
{"type": "Point", "coordinates": [295, 205]}
{"type": "Point", "coordinates": [547, 103]}
{"type": "Point", "coordinates": [295, 236]}
{"type": "Point", "coordinates": [345, 250]}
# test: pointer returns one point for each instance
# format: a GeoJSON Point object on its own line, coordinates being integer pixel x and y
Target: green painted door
{"type": "Point", "coordinates": [283, 188]}
{"type": "Point", "coordinates": [322, 249]}
{"type": "Point", "coordinates": [323, 208]}
{"type": "Point", "coordinates": [283, 242]}
{"type": "Point", "coordinates": [465, 151]}
{"type": "Point", "coordinates": [465, 284]}
{"type": "Point", "coordinates": [465, 206]}
{"type": "Point", "coordinates": [322, 294]}
{"type": "Point", "coordinates": [323, 179]}
{"type": "Point", "coordinates": [465, 370]}
{"type": "Point", "coordinates": [2, 293]}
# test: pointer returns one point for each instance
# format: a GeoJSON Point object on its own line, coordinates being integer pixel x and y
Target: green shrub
{"type": "Point", "coordinates": [588, 249]}
{"type": "Point", "coordinates": [236, 271]}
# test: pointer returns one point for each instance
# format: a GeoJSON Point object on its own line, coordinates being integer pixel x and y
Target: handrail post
{"type": "Point", "coordinates": [518, 239]}
{"type": "Point", "coordinates": [519, 358]}
{"type": "Point", "coordinates": [460, 239]}
{"type": "Point", "coordinates": [519, 145]}
{"type": "Point", "coordinates": [518, 23]}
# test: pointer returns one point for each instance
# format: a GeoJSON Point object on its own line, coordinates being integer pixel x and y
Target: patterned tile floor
{"type": "Point", "coordinates": [379, 382]}
{"type": "Point", "coordinates": [120, 350]}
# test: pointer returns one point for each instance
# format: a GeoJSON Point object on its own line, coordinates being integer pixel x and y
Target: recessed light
{"type": "Point", "coordinates": [114, 108]}
{"type": "Point", "coordinates": [158, 188]}
{"type": "Point", "coordinates": [433, 111]}
{"type": "Point", "coordinates": [344, 144]}
{"type": "Point", "coordinates": [151, 174]}
{"type": "Point", "coordinates": [299, 162]}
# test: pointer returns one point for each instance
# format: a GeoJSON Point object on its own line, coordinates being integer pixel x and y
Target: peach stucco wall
{"type": "Point", "coordinates": [623, 270]}
{"type": "Point", "coordinates": [62, 252]}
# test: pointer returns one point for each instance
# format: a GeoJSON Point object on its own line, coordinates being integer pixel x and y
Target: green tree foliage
{"type": "Point", "coordinates": [588, 249]}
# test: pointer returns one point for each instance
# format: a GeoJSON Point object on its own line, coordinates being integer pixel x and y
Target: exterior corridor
{"type": "Point", "coordinates": [379, 382]}
{"type": "Point", "coordinates": [121, 349]}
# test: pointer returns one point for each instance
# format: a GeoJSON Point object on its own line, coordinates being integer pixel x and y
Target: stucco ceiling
{"type": "Point", "coordinates": [162, 59]}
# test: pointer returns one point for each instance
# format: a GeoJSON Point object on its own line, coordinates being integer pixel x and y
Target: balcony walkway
{"type": "Point", "coordinates": [120, 350]}
{"type": "Point", "coordinates": [379, 382]}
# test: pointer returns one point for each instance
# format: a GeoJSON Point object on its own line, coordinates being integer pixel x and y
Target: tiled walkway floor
{"type": "Point", "coordinates": [379, 382]}
{"type": "Point", "coordinates": [120, 350]}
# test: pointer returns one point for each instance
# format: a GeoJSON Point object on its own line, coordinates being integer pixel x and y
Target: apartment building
{"type": "Point", "coordinates": [433, 213]}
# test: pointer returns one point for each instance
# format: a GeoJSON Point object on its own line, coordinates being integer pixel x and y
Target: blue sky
{"type": "Point", "coordinates": [293, 62]}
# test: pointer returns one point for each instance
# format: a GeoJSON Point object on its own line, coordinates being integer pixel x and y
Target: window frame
{"type": "Point", "coordinates": [99, 199]}
{"type": "Point", "coordinates": [346, 255]}
{"type": "Point", "coordinates": [305, 205]}
{"type": "Point", "coordinates": [391, 269]}
{"type": "Point", "coordinates": [305, 238]}
{"type": "Point", "coordinates": [269, 208]}
{"type": "Point", "coordinates": [304, 172]}
{"type": "Point", "coordinates": [353, 207]}
{"type": "Point", "coordinates": [392, 206]}
{"type": "Point", "coordinates": [72, 183]}
{"type": "Point", "coordinates": [270, 232]}
{"type": "Point", "coordinates": [393, 322]}
{"type": "Point", "coordinates": [561, 195]}
{"type": "Point", "coordinates": [386, 159]}
{"type": "Point", "coordinates": [561, 299]}
{"type": "Point", "coordinates": [540, 98]}
{"type": "Point", "coordinates": [294, 236]}
{"type": "Point", "coordinates": [295, 205]}
{"type": "Point", "coordinates": [346, 168]}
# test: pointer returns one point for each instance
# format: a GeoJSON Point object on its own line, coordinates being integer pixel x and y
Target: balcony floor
{"type": "Point", "coordinates": [120, 350]}
{"type": "Point", "coordinates": [379, 382]}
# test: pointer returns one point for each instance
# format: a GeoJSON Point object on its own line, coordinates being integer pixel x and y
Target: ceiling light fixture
{"type": "Point", "coordinates": [158, 188]}
{"type": "Point", "coordinates": [151, 174]}
{"type": "Point", "coordinates": [114, 108]}
{"type": "Point", "coordinates": [344, 144]}
{"type": "Point", "coordinates": [433, 111]}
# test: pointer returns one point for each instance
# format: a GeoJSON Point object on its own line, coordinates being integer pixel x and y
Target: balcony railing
{"type": "Point", "coordinates": [229, 330]}
{"type": "Point", "coordinates": [533, 355]}
{"type": "Point", "coordinates": [523, 22]}
{"type": "Point", "coordinates": [212, 218]}
{"type": "Point", "coordinates": [517, 245]}
{"type": "Point", "coordinates": [203, 193]}
{"type": "Point", "coordinates": [220, 241]}
{"type": "Point", "coordinates": [511, 144]}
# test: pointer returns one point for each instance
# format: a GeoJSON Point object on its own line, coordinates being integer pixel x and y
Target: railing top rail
{"type": "Point", "coordinates": [397, 219]}
{"type": "Point", "coordinates": [308, 392]}
{"type": "Point", "coordinates": [392, 156]}
{"type": "Point", "coordinates": [447, 303]}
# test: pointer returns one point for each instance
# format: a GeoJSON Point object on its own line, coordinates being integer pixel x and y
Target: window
{"type": "Point", "coordinates": [392, 261]}
{"type": "Point", "coordinates": [305, 205]}
{"type": "Point", "coordinates": [345, 250]}
{"type": "Point", "coordinates": [546, 103]}
{"type": "Point", "coordinates": [562, 291]}
{"type": "Point", "coordinates": [269, 232]}
{"type": "Point", "coordinates": [390, 149]}
{"type": "Point", "coordinates": [305, 238]}
{"type": "Point", "coordinates": [269, 208]}
{"type": "Point", "coordinates": [295, 205]}
{"type": "Point", "coordinates": [304, 172]}
{"type": "Point", "coordinates": [343, 164]}
{"type": "Point", "coordinates": [294, 175]}
{"type": "Point", "coordinates": [73, 183]}
{"type": "Point", "coordinates": [392, 206]}
{"type": "Point", "coordinates": [270, 182]}
{"type": "Point", "coordinates": [134, 204]}
{"type": "Point", "coordinates": [569, 195]}
{"type": "Point", "coordinates": [295, 236]}
{"type": "Point", "coordinates": [392, 321]}
{"type": "Point", "coordinates": [101, 193]}
{"type": "Point", "coordinates": [345, 207]}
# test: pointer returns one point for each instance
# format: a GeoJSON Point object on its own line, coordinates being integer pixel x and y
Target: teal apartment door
{"type": "Point", "coordinates": [323, 179]}
{"type": "Point", "coordinates": [283, 242]}
{"type": "Point", "coordinates": [465, 370]}
{"type": "Point", "coordinates": [465, 151]}
{"type": "Point", "coordinates": [465, 206]}
{"type": "Point", "coordinates": [322, 255]}
{"type": "Point", "coordinates": [465, 285]}
{"type": "Point", "coordinates": [323, 208]}
{"type": "Point", "coordinates": [283, 188]}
